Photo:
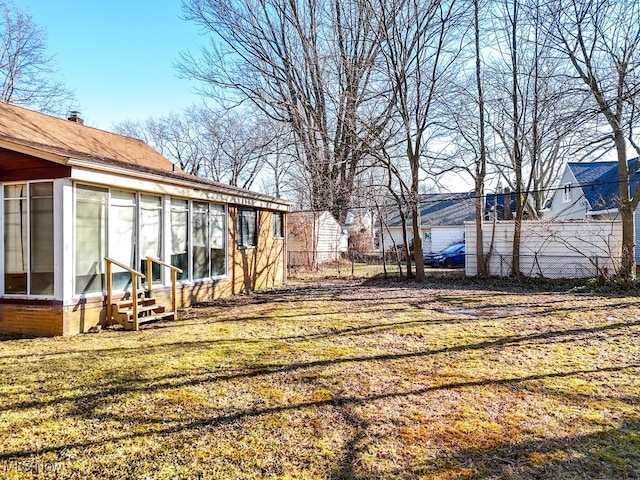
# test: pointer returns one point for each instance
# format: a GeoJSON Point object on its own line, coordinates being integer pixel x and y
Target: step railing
{"type": "Point", "coordinates": [134, 288]}
{"type": "Point", "coordinates": [174, 281]}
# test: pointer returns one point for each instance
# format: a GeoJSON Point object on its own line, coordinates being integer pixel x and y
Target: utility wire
{"type": "Point", "coordinates": [469, 196]}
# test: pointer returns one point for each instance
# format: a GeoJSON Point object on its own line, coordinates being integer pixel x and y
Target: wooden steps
{"type": "Point", "coordinates": [148, 310]}
{"type": "Point", "coordinates": [131, 313]}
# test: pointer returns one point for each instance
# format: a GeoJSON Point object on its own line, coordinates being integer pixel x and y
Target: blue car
{"type": "Point", "coordinates": [452, 256]}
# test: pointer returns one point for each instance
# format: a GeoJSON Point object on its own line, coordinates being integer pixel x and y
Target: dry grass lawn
{"type": "Point", "coordinates": [344, 380]}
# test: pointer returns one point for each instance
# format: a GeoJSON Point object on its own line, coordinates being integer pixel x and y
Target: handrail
{"type": "Point", "coordinates": [134, 288]}
{"type": "Point", "coordinates": [174, 280]}
{"type": "Point", "coordinates": [164, 264]}
{"type": "Point", "coordinates": [122, 265]}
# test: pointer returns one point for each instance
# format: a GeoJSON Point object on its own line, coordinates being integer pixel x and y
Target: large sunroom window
{"type": "Point", "coordinates": [90, 237]}
{"type": "Point", "coordinates": [217, 229]}
{"type": "Point", "coordinates": [208, 240]}
{"type": "Point", "coordinates": [150, 233]}
{"type": "Point", "coordinates": [28, 239]}
{"type": "Point", "coordinates": [122, 235]}
{"type": "Point", "coordinates": [180, 236]}
{"type": "Point", "coordinates": [129, 226]}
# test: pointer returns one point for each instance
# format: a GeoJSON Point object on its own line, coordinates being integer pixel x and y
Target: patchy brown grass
{"type": "Point", "coordinates": [349, 380]}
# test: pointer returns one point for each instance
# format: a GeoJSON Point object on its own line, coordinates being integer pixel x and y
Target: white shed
{"type": "Point", "coordinates": [314, 238]}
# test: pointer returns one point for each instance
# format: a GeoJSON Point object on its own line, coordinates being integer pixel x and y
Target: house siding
{"type": "Point", "coordinates": [254, 268]}
{"type": "Point", "coordinates": [442, 237]}
{"type": "Point", "coordinates": [576, 209]}
{"type": "Point", "coordinates": [19, 167]}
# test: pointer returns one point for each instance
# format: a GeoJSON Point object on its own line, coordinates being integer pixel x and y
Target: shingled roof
{"type": "Point", "coordinates": [439, 209]}
{"type": "Point", "coordinates": [599, 182]}
{"type": "Point", "coordinates": [75, 140]}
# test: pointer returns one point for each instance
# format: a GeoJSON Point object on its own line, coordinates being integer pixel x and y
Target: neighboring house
{"type": "Point", "coordinates": [589, 191]}
{"type": "Point", "coordinates": [72, 196]}
{"type": "Point", "coordinates": [500, 206]}
{"type": "Point", "coordinates": [314, 238]}
{"type": "Point", "coordinates": [442, 218]}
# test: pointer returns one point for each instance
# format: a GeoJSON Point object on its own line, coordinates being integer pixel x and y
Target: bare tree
{"type": "Point", "coordinates": [179, 137]}
{"type": "Point", "coordinates": [418, 42]}
{"type": "Point", "coordinates": [532, 112]}
{"type": "Point", "coordinates": [240, 142]}
{"type": "Point", "coordinates": [229, 146]}
{"type": "Point", "coordinates": [28, 75]}
{"type": "Point", "coordinates": [509, 121]}
{"type": "Point", "coordinates": [601, 39]}
{"type": "Point", "coordinates": [279, 160]}
{"type": "Point", "coordinates": [398, 185]}
{"type": "Point", "coordinates": [480, 164]}
{"type": "Point", "coordinates": [307, 63]}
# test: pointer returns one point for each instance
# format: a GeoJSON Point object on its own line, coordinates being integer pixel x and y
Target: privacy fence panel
{"type": "Point", "coordinates": [577, 249]}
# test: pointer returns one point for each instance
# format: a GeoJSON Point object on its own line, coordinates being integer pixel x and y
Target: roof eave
{"type": "Point", "coordinates": [607, 211]}
{"type": "Point", "coordinates": [33, 151]}
{"type": "Point", "coordinates": [162, 177]}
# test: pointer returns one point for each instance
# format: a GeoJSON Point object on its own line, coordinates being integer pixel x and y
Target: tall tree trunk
{"type": "Point", "coordinates": [517, 154]}
{"type": "Point", "coordinates": [628, 261]}
{"type": "Point", "coordinates": [414, 160]}
{"type": "Point", "coordinates": [481, 162]}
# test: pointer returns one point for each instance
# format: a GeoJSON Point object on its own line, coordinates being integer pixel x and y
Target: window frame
{"type": "Point", "coordinates": [28, 198]}
{"type": "Point", "coordinates": [278, 225]}
{"type": "Point", "coordinates": [566, 193]}
{"type": "Point", "coordinates": [175, 207]}
{"type": "Point", "coordinates": [244, 239]}
{"type": "Point", "coordinates": [174, 211]}
{"type": "Point", "coordinates": [144, 207]}
{"type": "Point", "coordinates": [124, 201]}
{"type": "Point", "coordinates": [105, 238]}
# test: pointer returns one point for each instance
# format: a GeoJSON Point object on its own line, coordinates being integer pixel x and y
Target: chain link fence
{"type": "Point", "coordinates": [345, 264]}
{"type": "Point", "coordinates": [357, 264]}
{"type": "Point", "coordinates": [554, 267]}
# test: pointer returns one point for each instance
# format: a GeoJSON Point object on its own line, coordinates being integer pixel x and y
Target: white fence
{"type": "Point", "coordinates": [577, 249]}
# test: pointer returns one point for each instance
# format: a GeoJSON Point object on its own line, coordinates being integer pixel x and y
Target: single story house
{"type": "Point", "coordinates": [589, 191]}
{"type": "Point", "coordinates": [442, 218]}
{"type": "Point", "coordinates": [314, 238]}
{"type": "Point", "coordinates": [89, 219]}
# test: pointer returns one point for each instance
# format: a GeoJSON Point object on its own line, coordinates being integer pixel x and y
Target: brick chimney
{"type": "Point", "coordinates": [74, 116]}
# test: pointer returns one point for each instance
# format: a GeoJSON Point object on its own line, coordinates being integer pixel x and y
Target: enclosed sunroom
{"type": "Point", "coordinates": [91, 218]}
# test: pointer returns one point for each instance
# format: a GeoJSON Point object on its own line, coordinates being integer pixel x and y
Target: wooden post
{"type": "Point", "coordinates": [134, 297]}
{"type": "Point", "coordinates": [149, 275]}
{"type": "Point", "coordinates": [109, 285]}
{"type": "Point", "coordinates": [174, 282]}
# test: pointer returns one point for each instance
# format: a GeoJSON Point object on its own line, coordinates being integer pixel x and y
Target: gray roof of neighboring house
{"type": "Point", "coordinates": [440, 209]}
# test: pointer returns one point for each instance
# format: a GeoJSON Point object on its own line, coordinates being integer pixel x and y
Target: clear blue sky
{"type": "Point", "coordinates": [117, 55]}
